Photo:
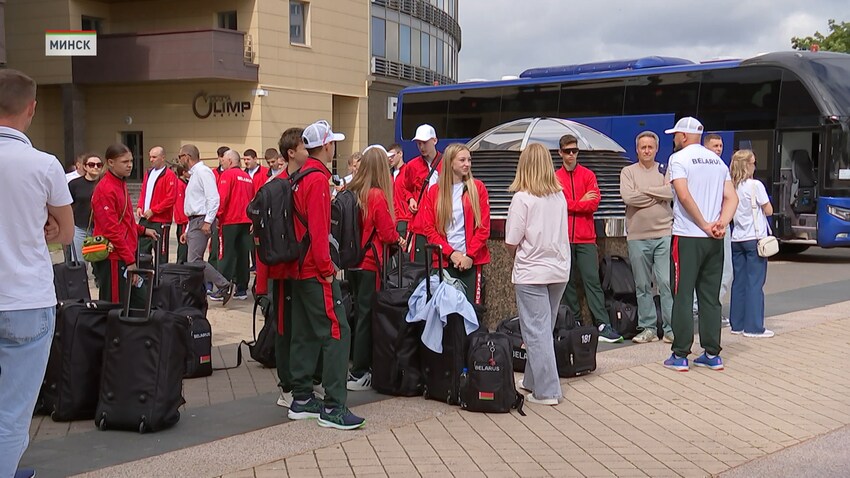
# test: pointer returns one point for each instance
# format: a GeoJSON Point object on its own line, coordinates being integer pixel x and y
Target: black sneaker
{"type": "Point", "coordinates": [340, 418]}
{"type": "Point", "coordinates": [299, 410]}
{"type": "Point", "coordinates": [609, 335]}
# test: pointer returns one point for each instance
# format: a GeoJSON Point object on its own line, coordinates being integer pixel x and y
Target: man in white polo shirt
{"type": "Point", "coordinates": [704, 202]}
{"type": "Point", "coordinates": [36, 211]}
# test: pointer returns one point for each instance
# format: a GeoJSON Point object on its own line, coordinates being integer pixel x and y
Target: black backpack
{"type": "Point", "coordinates": [272, 213]}
{"type": "Point", "coordinates": [617, 279]}
{"type": "Point", "coordinates": [346, 231]}
{"type": "Point", "coordinates": [487, 385]}
{"type": "Point", "coordinates": [575, 347]}
{"type": "Point", "coordinates": [511, 328]}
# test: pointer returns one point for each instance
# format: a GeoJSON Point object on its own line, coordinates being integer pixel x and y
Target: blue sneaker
{"type": "Point", "coordinates": [299, 410]}
{"type": "Point", "coordinates": [340, 418]}
{"type": "Point", "coordinates": [679, 364]}
{"type": "Point", "coordinates": [715, 363]}
{"type": "Point", "coordinates": [25, 473]}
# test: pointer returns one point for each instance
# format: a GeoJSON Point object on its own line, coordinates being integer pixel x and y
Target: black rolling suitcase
{"type": "Point", "coordinates": [395, 343]}
{"type": "Point", "coordinates": [70, 278]}
{"type": "Point", "coordinates": [181, 285]}
{"type": "Point", "coordinates": [72, 380]}
{"type": "Point", "coordinates": [144, 362]}
{"type": "Point", "coordinates": [442, 370]}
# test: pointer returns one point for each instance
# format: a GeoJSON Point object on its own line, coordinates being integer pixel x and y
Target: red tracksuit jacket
{"type": "Point", "coordinates": [164, 196]}
{"type": "Point", "coordinates": [180, 204]}
{"type": "Point", "coordinates": [236, 190]}
{"type": "Point", "coordinates": [113, 218]}
{"type": "Point", "coordinates": [381, 222]}
{"type": "Point", "coordinates": [400, 204]}
{"type": "Point", "coordinates": [476, 238]}
{"type": "Point", "coordinates": [260, 177]}
{"type": "Point", "coordinates": [576, 184]}
{"type": "Point", "coordinates": [415, 173]}
{"type": "Point", "coordinates": [313, 200]}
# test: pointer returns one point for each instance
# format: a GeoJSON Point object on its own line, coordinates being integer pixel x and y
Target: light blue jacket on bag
{"type": "Point", "coordinates": [445, 300]}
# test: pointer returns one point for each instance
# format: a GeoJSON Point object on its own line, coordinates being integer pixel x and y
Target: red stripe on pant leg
{"type": "Point", "coordinates": [675, 256]}
{"type": "Point", "coordinates": [163, 241]}
{"type": "Point", "coordinates": [477, 283]}
{"type": "Point", "coordinates": [220, 244]}
{"type": "Point", "coordinates": [280, 301]}
{"type": "Point", "coordinates": [328, 296]}
{"type": "Point", "coordinates": [114, 289]}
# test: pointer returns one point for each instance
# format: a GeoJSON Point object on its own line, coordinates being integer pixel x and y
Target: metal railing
{"type": "Point", "coordinates": [423, 10]}
{"type": "Point", "coordinates": [250, 55]}
{"type": "Point", "coordinates": [394, 69]}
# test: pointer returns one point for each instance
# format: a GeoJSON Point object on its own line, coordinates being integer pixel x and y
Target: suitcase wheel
{"type": "Point", "coordinates": [142, 425]}
{"type": "Point", "coordinates": [101, 425]}
{"type": "Point", "coordinates": [425, 392]}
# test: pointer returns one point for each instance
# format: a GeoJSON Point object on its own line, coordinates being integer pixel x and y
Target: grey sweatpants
{"type": "Point", "coordinates": [197, 242]}
{"type": "Point", "coordinates": [538, 310]}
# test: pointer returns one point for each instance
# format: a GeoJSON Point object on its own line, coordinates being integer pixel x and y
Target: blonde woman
{"type": "Point", "coordinates": [456, 215]}
{"type": "Point", "coordinates": [749, 269]}
{"type": "Point", "coordinates": [373, 187]}
{"type": "Point", "coordinates": [537, 236]}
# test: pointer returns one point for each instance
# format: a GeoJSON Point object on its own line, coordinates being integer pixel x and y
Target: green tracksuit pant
{"type": "Point", "coordinates": [235, 261]}
{"type": "Point", "coordinates": [146, 244]}
{"type": "Point", "coordinates": [696, 264]}
{"type": "Point", "coordinates": [362, 292]}
{"type": "Point", "coordinates": [472, 281]}
{"type": "Point", "coordinates": [319, 328]}
{"type": "Point", "coordinates": [584, 263]}
{"type": "Point", "coordinates": [281, 296]}
{"type": "Point", "coordinates": [110, 276]}
{"type": "Point", "coordinates": [182, 249]}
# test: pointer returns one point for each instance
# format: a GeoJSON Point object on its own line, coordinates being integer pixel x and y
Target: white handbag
{"type": "Point", "coordinates": [768, 245]}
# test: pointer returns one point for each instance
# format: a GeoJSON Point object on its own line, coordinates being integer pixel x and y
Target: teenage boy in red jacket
{"type": "Point", "coordinates": [236, 190]}
{"type": "Point", "coordinates": [156, 202]}
{"type": "Point", "coordinates": [319, 324]}
{"type": "Point", "coordinates": [582, 192]}
{"type": "Point", "coordinates": [421, 172]}
{"type": "Point", "coordinates": [395, 155]}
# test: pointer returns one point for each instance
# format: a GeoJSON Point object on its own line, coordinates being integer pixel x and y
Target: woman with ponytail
{"type": "Point", "coordinates": [456, 215]}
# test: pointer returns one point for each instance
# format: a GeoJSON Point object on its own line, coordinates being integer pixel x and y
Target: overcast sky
{"type": "Point", "coordinates": [505, 37]}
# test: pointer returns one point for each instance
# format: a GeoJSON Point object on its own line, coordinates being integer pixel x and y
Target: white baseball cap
{"type": "Point", "coordinates": [378, 147]}
{"type": "Point", "coordinates": [688, 125]}
{"type": "Point", "coordinates": [320, 134]}
{"type": "Point", "coordinates": [424, 133]}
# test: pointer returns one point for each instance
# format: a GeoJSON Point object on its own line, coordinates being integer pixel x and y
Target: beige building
{"type": "Point", "coordinates": [208, 72]}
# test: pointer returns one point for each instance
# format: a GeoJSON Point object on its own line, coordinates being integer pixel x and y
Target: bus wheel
{"type": "Point", "coordinates": [792, 248]}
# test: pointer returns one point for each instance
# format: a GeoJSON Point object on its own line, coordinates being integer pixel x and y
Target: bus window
{"type": "Point", "coordinates": [796, 106]}
{"type": "Point", "coordinates": [739, 99]}
{"type": "Point", "coordinates": [838, 168]}
{"type": "Point", "coordinates": [472, 112]}
{"type": "Point", "coordinates": [599, 98]}
{"type": "Point", "coordinates": [421, 108]}
{"type": "Point", "coordinates": [529, 101]}
{"type": "Point", "coordinates": [655, 94]}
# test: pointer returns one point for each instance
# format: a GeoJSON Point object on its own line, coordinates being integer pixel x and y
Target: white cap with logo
{"type": "Point", "coordinates": [687, 125]}
{"type": "Point", "coordinates": [320, 134]}
{"type": "Point", "coordinates": [379, 148]}
{"type": "Point", "coordinates": [424, 133]}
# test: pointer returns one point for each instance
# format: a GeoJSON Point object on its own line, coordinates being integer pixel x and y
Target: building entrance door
{"type": "Point", "coordinates": [134, 141]}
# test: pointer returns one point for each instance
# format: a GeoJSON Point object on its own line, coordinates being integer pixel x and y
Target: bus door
{"type": "Point", "coordinates": [795, 190]}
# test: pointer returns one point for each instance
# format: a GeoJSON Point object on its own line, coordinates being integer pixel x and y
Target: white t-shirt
{"type": "Point", "coordinates": [72, 176]}
{"type": "Point", "coordinates": [538, 226]}
{"type": "Point", "coordinates": [25, 263]}
{"type": "Point", "coordinates": [152, 177]}
{"type": "Point", "coordinates": [706, 174]}
{"type": "Point", "coordinates": [456, 232]}
{"type": "Point", "coordinates": [744, 228]}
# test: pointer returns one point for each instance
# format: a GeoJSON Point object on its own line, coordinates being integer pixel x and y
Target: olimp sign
{"type": "Point", "coordinates": [205, 105]}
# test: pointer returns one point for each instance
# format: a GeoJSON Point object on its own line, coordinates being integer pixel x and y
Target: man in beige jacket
{"type": "Point", "coordinates": [649, 220]}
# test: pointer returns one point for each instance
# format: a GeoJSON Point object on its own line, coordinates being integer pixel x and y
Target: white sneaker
{"type": "Point", "coordinates": [737, 332]}
{"type": "Point", "coordinates": [521, 385]}
{"type": "Point", "coordinates": [319, 391]}
{"type": "Point", "coordinates": [541, 401]}
{"type": "Point", "coordinates": [285, 399]}
{"type": "Point", "coordinates": [359, 384]}
{"type": "Point", "coordinates": [764, 335]}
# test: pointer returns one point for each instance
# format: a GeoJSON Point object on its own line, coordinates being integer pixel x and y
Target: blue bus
{"type": "Point", "coordinates": [791, 108]}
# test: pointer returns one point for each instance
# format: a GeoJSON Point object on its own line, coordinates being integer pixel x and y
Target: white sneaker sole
{"type": "Point", "coordinates": [541, 401]}
{"type": "Point", "coordinates": [759, 336]}
{"type": "Point", "coordinates": [327, 424]}
{"type": "Point", "coordinates": [355, 387]}
{"type": "Point", "coordinates": [653, 339]}
{"type": "Point", "coordinates": [712, 367]}
{"type": "Point", "coordinates": [301, 415]}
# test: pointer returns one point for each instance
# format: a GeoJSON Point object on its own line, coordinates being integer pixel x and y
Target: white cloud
{"type": "Point", "coordinates": [505, 37]}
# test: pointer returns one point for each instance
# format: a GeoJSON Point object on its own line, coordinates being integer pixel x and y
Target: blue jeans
{"type": "Point", "coordinates": [25, 337]}
{"type": "Point", "coordinates": [79, 236]}
{"type": "Point", "coordinates": [650, 260]}
{"type": "Point", "coordinates": [747, 305]}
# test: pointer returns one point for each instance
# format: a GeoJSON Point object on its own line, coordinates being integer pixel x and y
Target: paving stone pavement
{"type": "Point", "coordinates": [631, 418]}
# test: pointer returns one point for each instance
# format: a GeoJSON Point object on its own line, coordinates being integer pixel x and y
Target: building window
{"type": "Point", "coordinates": [298, 22]}
{"type": "Point", "coordinates": [425, 50]}
{"type": "Point", "coordinates": [404, 44]}
{"type": "Point", "coordinates": [227, 20]}
{"type": "Point", "coordinates": [379, 37]}
{"type": "Point", "coordinates": [440, 64]}
{"type": "Point", "coordinates": [91, 24]}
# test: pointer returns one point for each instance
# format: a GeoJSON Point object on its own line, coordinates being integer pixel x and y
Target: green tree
{"type": "Point", "coordinates": [837, 40]}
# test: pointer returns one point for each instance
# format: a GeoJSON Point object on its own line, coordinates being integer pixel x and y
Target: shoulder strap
{"type": "Point", "coordinates": [434, 165]}
{"type": "Point", "coordinates": [754, 209]}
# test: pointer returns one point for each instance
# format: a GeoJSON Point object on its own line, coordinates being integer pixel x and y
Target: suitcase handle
{"type": "Point", "coordinates": [156, 245]}
{"type": "Point", "coordinates": [71, 259]}
{"type": "Point", "coordinates": [385, 274]}
{"type": "Point", "coordinates": [429, 259]}
{"type": "Point", "coordinates": [125, 315]}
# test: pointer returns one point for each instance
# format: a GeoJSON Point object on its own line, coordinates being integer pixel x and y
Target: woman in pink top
{"type": "Point", "coordinates": [538, 239]}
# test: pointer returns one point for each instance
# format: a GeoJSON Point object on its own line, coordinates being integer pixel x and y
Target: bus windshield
{"type": "Point", "coordinates": [834, 74]}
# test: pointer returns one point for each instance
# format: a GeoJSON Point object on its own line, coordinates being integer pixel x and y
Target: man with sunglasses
{"type": "Point", "coordinates": [156, 202]}
{"type": "Point", "coordinates": [582, 193]}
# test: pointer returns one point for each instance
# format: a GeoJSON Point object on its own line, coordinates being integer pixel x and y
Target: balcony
{"type": "Point", "coordinates": [185, 55]}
